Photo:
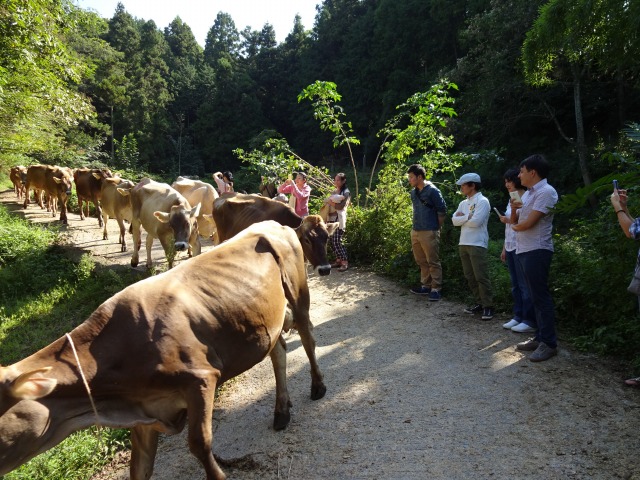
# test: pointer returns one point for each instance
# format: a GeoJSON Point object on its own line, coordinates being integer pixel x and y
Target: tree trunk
{"type": "Point", "coordinates": [581, 145]}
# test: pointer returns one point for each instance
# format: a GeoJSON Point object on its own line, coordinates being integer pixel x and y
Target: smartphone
{"type": "Point", "coordinates": [615, 185]}
{"type": "Point", "coordinates": [515, 196]}
{"type": "Point", "coordinates": [497, 211]}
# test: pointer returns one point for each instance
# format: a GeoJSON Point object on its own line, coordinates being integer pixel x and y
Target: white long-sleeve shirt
{"type": "Point", "coordinates": [476, 211]}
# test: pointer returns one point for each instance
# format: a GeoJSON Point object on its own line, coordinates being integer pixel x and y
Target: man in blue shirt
{"type": "Point", "coordinates": [429, 211]}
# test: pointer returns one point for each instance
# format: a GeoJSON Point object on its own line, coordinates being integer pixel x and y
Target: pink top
{"type": "Point", "coordinates": [302, 197]}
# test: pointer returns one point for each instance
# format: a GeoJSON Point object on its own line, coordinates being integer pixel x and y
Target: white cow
{"type": "Point", "coordinates": [165, 215]}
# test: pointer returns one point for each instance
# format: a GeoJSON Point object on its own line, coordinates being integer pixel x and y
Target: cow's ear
{"type": "Point", "coordinates": [162, 216]}
{"type": "Point", "coordinates": [332, 227]}
{"type": "Point", "coordinates": [32, 385]}
{"type": "Point", "coordinates": [195, 210]}
{"type": "Point", "coordinates": [208, 218]}
{"type": "Point", "coordinates": [57, 180]}
{"type": "Point", "coordinates": [98, 176]}
{"type": "Point", "coordinates": [124, 191]}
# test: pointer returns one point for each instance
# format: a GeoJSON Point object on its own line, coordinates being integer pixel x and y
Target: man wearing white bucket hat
{"type": "Point", "coordinates": [472, 216]}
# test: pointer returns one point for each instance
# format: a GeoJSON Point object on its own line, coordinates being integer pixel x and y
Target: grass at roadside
{"type": "Point", "coordinates": [43, 295]}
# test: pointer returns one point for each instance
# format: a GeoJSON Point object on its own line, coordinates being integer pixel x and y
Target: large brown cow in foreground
{"type": "Point", "coordinates": [165, 215]}
{"type": "Point", "coordinates": [18, 176]}
{"type": "Point", "coordinates": [154, 353]}
{"type": "Point", "coordinates": [234, 212]}
{"type": "Point", "coordinates": [56, 182]}
{"type": "Point", "coordinates": [89, 188]}
{"type": "Point", "coordinates": [116, 205]}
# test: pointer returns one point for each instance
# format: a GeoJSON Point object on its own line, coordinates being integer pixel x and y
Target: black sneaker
{"type": "Point", "coordinates": [473, 309]}
{"type": "Point", "coordinates": [487, 313]}
{"type": "Point", "coordinates": [422, 290]}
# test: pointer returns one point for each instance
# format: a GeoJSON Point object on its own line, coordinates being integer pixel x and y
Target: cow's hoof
{"type": "Point", "coordinates": [318, 391]}
{"type": "Point", "coordinates": [281, 420]}
{"type": "Point", "coordinates": [123, 248]}
{"type": "Point", "coordinates": [134, 263]}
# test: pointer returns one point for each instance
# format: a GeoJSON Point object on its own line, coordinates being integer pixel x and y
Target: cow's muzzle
{"type": "Point", "coordinates": [181, 246]}
{"type": "Point", "coordinates": [323, 270]}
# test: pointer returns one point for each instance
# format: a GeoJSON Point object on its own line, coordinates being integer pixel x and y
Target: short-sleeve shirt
{"type": "Point", "coordinates": [542, 197]}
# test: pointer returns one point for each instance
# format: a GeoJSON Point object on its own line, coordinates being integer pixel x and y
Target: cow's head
{"type": "Point", "coordinates": [102, 174]}
{"type": "Point", "coordinates": [313, 234]}
{"type": "Point", "coordinates": [183, 223]}
{"type": "Point", "coordinates": [23, 420]}
{"type": "Point", "coordinates": [64, 182]}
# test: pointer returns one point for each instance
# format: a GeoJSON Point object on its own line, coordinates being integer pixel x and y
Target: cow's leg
{"type": "Point", "coordinates": [96, 204]}
{"type": "Point", "coordinates": [63, 211]}
{"type": "Point", "coordinates": [81, 203]}
{"type": "Point", "coordinates": [278, 356]}
{"type": "Point", "coordinates": [200, 400]}
{"type": "Point", "coordinates": [144, 445]}
{"type": "Point", "coordinates": [135, 231]}
{"type": "Point", "coordinates": [302, 323]}
{"type": "Point", "coordinates": [149, 245]}
{"type": "Point", "coordinates": [105, 219]}
{"type": "Point", "coordinates": [26, 195]}
{"type": "Point", "coordinates": [121, 239]}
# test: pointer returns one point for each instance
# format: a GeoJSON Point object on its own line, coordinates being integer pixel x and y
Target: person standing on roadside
{"type": "Point", "coordinates": [429, 211]}
{"type": "Point", "coordinates": [472, 216]}
{"type": "Point", "coordinates": [300, 190]}
{"type": "Point", "coordinates": [532, 220]}
{"type": "Point", "coordinates": [224, 181]}
{"type": "Point", "coordinates": [631, 228]}
{"type": "Point", "coordinates": [338, 203]}
{"type": "Point", "coordinates": [523, 320]}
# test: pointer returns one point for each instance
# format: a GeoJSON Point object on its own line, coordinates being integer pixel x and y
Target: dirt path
{"type": "Point", "coordinates": [415, 390]}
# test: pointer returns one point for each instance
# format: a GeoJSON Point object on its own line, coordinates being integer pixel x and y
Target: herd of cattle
{"type": "Point", "coordinates": [151, 357]}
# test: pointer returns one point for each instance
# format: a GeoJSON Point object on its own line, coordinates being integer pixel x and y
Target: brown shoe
{"type": "Point", "coordinates": [344, 267]}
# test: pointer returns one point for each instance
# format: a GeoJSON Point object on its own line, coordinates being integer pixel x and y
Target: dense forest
{"type": "Point", "coordinates": [558, 77]}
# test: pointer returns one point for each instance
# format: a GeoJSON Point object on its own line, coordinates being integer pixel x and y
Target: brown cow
{"type": "Point", "coordinates": [165, 215]}
{"type": "Point", "coordinates": [198, 192]}
{"type": "Point", "coordinates": [89, 188]}
{"type": "Point", "coordinates": [154, 353]}
{"type": "Point", "coordinates": [116, 205]}
{"type": "Point", "coordinates": [18, 176]}
{"type": "Point", "coordinates": [54, 181]}
{"type": "Point", "coordinates": [233, 213]}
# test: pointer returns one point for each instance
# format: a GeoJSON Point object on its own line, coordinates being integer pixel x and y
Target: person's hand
{"type": "Point", "coordinates": [514, 204]}
{"type": "Point", "coordinates": [619, 200]}
{"type": "Point", "coordinates": [459, 214]}
{"type": "Point", "coordinates": [503, 255]}
{"type": "Point", "coordinates": [288, 181]}
{"type": "Point", "coordinates": [504, 220]}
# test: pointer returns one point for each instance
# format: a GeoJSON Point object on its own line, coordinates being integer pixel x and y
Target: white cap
{"type": "Point", "coordinates": [469, 177]}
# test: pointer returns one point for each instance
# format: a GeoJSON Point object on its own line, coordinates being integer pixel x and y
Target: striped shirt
{"type": "Point", "coordinates": [542, 197]}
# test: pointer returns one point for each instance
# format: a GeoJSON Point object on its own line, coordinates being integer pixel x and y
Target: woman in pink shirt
{"type": "Point", "coordinates": [300, 190]}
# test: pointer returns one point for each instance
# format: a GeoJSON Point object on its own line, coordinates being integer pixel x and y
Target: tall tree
{"type": "Point", "coordinates": [39, 100]}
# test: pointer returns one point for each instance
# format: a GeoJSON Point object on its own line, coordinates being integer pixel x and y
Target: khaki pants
{"type": "Point", "coordinates": [425, 245]}
{"type": "Point", "coordinates": [476, 271]}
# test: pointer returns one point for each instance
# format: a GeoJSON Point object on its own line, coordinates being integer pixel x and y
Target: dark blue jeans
{"type": "Point", "coordinates": [535, 267]}
{"type": "Point", "coordinates": [522, 305]}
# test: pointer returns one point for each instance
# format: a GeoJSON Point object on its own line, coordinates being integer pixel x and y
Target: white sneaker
{"type": "Point", "coordinates": [523, 328]}
{"type": "Point", "coordinates": [511, 323]}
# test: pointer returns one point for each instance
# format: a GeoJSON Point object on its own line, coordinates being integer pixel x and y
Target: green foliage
{"type": "Point", "coordinates": [275, 160]}
{"type": "Point", "coordinates": [127, 156]}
